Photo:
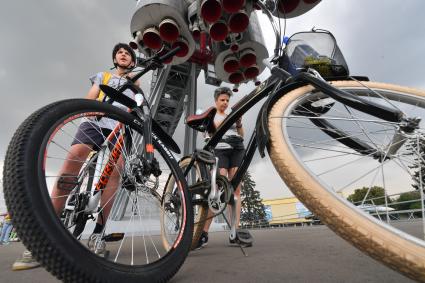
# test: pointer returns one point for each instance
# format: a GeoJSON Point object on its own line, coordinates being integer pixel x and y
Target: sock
{"type": "Point", "coordinates": [98, 229]}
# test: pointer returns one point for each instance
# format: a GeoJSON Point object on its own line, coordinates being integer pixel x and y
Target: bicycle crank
{"type": "Point", "coordinates": [218, 202]}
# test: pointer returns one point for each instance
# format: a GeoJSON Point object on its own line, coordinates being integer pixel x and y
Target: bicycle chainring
{"type": "Point", "coordinates": [225, 193]}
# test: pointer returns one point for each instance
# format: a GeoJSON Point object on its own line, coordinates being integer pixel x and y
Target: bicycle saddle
{"type": "Point", "coordinates": [203, 122]}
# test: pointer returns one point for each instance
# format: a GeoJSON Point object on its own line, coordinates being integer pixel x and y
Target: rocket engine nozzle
{"type": "Point", "coordinates": [252, 72]}
{"type": "Point", "coordinates": [233, 6]}
{"type": "Point", "coordinates": [169, 30]}
{"type": "Point", "coordinates": [236, 77]}
{"type": "Point", "coordinates": [196, 32]}
{"type": "Point", "coordinates": [231, 64]}
{"type": "Point", "coordinates": [151, 38]}
{"type": "Point", "coordinates": [219, 30]}
{"type": "Point", "coordinates": [184, 47]}
{"type": "Point", "coordinates": [287, 6]}
{"type": "Point", "coordinates": [238, 22]}
{"type": "Point", "coordinates": [211, 10]}
{"type": "Point", "coordinates": [248, 58]}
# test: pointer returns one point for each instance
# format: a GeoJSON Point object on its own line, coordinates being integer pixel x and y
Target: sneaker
{"type": "Point", "coordinates": [243, 239]}
{"type": "Point", "coordinates": [96, 243]}
{"type": "Point", "coordinates": [26, 262]}
{"type": "Point", "coordinates": [203, 241]}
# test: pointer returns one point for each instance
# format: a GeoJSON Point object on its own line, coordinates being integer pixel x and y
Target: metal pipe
{"type": "Point", "coordinates": [275, 29]}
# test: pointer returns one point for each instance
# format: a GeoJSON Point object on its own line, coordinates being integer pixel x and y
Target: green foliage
{"type": "Point", "coordinates": [406, 197]}
{"type": "Point", "coordinates": [417, 148]}
{"type": "Point", "coordinates": [376, 193]}
{"type": "Point", "coordinates": [252, 209]}
{"type": "Point", "coordinates": [320, 64]}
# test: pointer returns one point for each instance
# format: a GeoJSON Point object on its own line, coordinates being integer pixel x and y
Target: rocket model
{"type": "Point", "coordinates": [222, 36]}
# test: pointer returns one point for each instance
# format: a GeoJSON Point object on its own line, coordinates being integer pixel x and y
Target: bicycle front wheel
{"type": "Point", "coordinates": [326, 151]}
{"type": "Point", "coordinates": [129, 248]}
{"type": "Point", "coordinates": [200, 209]}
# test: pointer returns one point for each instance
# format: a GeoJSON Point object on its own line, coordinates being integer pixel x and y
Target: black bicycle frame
{"type": "Point", "coordinates": [271, 85]}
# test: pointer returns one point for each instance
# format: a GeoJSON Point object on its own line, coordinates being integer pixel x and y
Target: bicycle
{"type": "Point", "coordinates": [317, 106]}
{"type": "Point", "coordinates": [141, 151]}
{"type": "Point", "coordinates": [303, 111]}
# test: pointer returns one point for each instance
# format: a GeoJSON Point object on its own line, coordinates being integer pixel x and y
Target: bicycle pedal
{"type": "Point", "coordinates": [205, 156]}
{"type": "Point", "coordinates": [113, 237]}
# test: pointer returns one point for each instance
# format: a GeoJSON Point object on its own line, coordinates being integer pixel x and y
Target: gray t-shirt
{"type": "Point", "coordinates": [115, 82]}
{"type": "Point", "coordinates": [233, 131]}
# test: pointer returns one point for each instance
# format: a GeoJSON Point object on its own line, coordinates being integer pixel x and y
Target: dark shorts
{"type": "Point", "coordinates": [229, 158]}
{"type": "Point", "coordinates": [91, 134]}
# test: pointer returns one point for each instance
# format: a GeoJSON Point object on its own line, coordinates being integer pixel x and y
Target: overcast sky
{"type": "Point", "coordinates": [49, 49]}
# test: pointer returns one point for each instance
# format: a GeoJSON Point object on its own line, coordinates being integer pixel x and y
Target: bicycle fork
{"type": "Point", "coordinates": [103, 179]}
{"type": "Point", "coordinates": [95, 198]}
{"type": "Point", "coordinates": [214, 195]}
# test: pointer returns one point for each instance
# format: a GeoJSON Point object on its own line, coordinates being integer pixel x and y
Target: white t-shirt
{"type": "Point", "coordinates": [233, 131]}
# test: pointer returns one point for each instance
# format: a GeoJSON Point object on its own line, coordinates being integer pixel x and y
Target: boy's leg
{"type": "Point", "coordinates": [243, 235]}
{"type": "Point", "coordinates": [76, 157]}
{"type": "Point", "coordinates": [96, 242]}
{"type": "Point", "coordinates": [237, 194]}
{"type": "Point", "coordinates": [108, 194]}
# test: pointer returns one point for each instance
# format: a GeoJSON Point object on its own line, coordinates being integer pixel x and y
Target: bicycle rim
{"type": "Point", "coordinates": [322, 170]}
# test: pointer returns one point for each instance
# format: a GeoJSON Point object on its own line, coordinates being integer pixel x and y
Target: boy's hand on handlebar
{"type": "Point", "coordinates": [239, 122]}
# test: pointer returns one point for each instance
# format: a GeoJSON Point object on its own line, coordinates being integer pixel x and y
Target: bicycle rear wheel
{"type": "Point", "coordinates": [136, 254]}
{"type": "Point", "coordinates": [322, 167]}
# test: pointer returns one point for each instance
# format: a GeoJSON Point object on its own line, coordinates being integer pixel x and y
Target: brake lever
{"type": "Point", "coordinates": [155, 63]}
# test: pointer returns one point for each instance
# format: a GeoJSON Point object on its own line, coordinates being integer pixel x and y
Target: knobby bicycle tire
{"type": "Point", "coordinates": [396, 249]}
{"type": "Point", "coordinates": [41, 230]}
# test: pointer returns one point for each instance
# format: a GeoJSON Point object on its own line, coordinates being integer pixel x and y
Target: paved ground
{"type": "Point", "coordinates": [300, 254]}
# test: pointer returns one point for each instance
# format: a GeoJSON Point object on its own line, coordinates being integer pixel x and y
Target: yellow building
{"type": "Point", "coordinates": [286, 212]}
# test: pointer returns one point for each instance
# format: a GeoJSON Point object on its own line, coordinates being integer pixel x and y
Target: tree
{"type": "Point", "coordinates": [412, 200]}
{"type": "Point", "coordinates": [416, 146]}
{"type": "Point", "coordinates": [252, 210]}
{"type": "Point", "coordinates": [376, 193]}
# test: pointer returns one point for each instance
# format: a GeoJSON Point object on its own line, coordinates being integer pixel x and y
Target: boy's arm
{"type": "Point", "coordinates": [239, 128]}
{"type": "Point", "coordinates": [93, 92]}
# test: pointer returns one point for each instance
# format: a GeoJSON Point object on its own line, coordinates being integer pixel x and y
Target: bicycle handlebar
{"type": "Point", "coordinates": [155, 62]}
{"type": "Point", "coordinates": [169, 54]}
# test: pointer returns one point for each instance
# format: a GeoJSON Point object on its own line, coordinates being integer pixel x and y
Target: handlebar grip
{"type": "Point", "coordinates": [169, 54]}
